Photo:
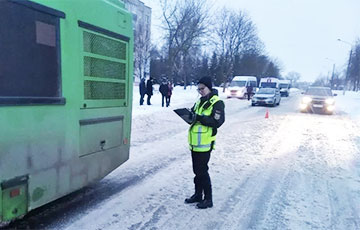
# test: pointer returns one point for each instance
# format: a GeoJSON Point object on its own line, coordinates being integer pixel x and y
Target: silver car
{"type": "Point", "coordinates": [266, 96]}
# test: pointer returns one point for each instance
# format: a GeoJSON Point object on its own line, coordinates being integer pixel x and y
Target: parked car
{"type": "Point", "coordinates": [284, 88]}
{"type": "Point", "coordinates": [238, 86]}
{"type": "Point", "coordinates": [318, 100]}
{"type": "Point", "coordinates": [266, 96]}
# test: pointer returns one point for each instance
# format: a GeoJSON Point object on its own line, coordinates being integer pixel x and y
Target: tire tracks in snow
{"type": "Point", "coordinates": [265, 185]}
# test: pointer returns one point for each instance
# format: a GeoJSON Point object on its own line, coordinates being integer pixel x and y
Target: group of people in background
{"type": "Point", "coordinates": [147, 89]}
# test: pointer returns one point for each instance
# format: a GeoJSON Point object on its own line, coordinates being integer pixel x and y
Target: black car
{"type": "Point", "coordinates": [318, 100]}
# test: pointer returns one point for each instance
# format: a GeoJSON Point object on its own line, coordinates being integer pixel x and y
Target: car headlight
{"type": "Point", "coordinates": [330, 108]}
{"type": "Point", "coordinates": [330, 101]}
{"type": "Point", "coordinates": [306, 100]}
{"type": "Point", "coordinates": [303, 106]}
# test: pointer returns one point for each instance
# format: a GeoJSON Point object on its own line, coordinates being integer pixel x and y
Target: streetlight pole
{"type": "Point", "coordinates": [332, 78]}
{"type": "Point", "coordinates": [333, 73]}
{"type": "Point", "coordinates": [348, 66]}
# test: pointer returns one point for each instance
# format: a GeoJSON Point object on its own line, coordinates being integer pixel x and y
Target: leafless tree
{"type": "Point", "coordinates": [186, 23]}
{"type": "Point", "coordinates": [354, 75]}
{"type": "Point", "coordinates": [235, 33]}
{"type": "Point", "coordinates": [321, 81]}
{"type": "Point", "coordinates": [293, 77]}
{"type": "Point", "coordinates": [142, 47]}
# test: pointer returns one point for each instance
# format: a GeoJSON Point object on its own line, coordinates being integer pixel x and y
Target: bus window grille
{"type": "Point", "coordinates": [95, 67]}
{"type": "Point", "coordinates": [97, 90]}
{"type": "Point", "coordinates": [104, 46]}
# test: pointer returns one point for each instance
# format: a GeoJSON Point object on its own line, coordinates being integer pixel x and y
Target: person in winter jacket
{"type": "Point", "coordinates": [149, 90]}
{"type": "Point", "coordinates": [208, 116]}
{"type": "Point", "coordinates": [168, 97]}
{"type": "Point", "coordinates": [164, 90]}
{"type": "Point", "coordinates": [142, 90]}
{"type": "Point", "coordinates": [249, 91]}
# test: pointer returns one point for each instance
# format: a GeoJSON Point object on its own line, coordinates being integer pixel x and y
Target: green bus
{"type": "Point", "coordinates": [65, 98]}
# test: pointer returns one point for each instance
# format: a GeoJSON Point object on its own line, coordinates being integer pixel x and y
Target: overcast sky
{"type": "Point", "coordinates": [301, 34]}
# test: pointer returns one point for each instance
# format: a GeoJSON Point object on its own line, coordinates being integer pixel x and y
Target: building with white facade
{"type": "Point", "coordinates": [142, 30]}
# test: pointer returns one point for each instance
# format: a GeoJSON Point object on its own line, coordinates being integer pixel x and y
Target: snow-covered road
{"type": "Point", "coordinates": [290, 171]}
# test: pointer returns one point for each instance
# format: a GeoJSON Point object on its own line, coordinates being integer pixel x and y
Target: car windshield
{"type": "Point", "coordinates": [266, 91]}
{"type": "Point", "coordinates": [283, 86]}
{"type": "Point", "coordinates": [318, 92]}
{"type": "Point", "coordinates": [238, 83]}
{"type": "Point", "coordinates": [268, 84]}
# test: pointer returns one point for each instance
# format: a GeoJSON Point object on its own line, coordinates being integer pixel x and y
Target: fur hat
{"type": "Point", "coordinates": [206, 81]}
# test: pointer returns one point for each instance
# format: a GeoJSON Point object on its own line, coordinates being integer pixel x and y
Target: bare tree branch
{"type": "Point", "coordinates": [186, 23]}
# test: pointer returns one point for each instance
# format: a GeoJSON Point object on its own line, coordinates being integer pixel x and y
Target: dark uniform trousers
{"type": "Point", "coordinates": [202, 180]}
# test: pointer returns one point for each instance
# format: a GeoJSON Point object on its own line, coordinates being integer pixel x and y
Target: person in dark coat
{"type": "Point", "coordinates": [164, 90]}
{"type": "Point", "coordinates": [208, 116]}
{"type": "Point", "coordinates": [142, 90]}
{"type": "Point", "coordinates": [149, 90]}
{"type": "Point", "coordinates": [168, 97]}
{"type": "Point", "coordinates": [249, 91]}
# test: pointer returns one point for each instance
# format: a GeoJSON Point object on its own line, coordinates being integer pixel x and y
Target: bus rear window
{"type": "Point", "coordinates": [29, 54]}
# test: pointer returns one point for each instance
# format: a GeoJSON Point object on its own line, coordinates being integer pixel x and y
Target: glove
{"type": "Point", "coordinates": [198, 117]}
{"type": "Point", "coordinates": [192, 116]}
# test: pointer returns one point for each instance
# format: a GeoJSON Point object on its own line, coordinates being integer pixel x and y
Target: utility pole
{"type": "Point", "coordinates": [348, 67]}
{"type": "Point", "coordinates": [333, 73]}
{"type": "Point", "coordinates": [332, 78]}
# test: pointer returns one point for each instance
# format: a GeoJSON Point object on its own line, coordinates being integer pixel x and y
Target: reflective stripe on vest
{"type": "Point", "coordinates": [200, 136]}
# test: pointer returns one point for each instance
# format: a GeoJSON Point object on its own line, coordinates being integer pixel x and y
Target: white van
{"type": "Point", "coordinates": [237, 87]}
{"type": "Point", "coordinates": [284, 87]}
{"type": "Point", "coordinates": [269, 82]}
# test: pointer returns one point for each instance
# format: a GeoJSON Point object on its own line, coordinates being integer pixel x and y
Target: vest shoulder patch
{"type": "Point", "coordinates": [217, 114]}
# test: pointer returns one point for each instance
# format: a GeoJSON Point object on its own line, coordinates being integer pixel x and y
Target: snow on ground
{"type": "Point", "coordinates": [349, 103]}
{"type": "Point", "coordinates": [291, 171]}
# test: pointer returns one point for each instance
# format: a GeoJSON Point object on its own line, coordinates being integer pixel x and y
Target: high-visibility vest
{"type": "Point", "coordinates": [200, 136]}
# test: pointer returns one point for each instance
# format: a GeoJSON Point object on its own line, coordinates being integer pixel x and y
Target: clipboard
{"type": "Point", "coordinates": [185, 114]}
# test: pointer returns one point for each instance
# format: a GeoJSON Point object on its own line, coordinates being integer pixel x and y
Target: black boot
{"type": "Point", "coordinates": [205, 204]}
{"type": "Point", "coordinates": [194, 198]}
{"type": "Point", "coordinates": [197, 197]}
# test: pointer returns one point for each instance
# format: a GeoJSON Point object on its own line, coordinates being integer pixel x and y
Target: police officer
{"type": "Point", "coordinates": [208, 116]}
